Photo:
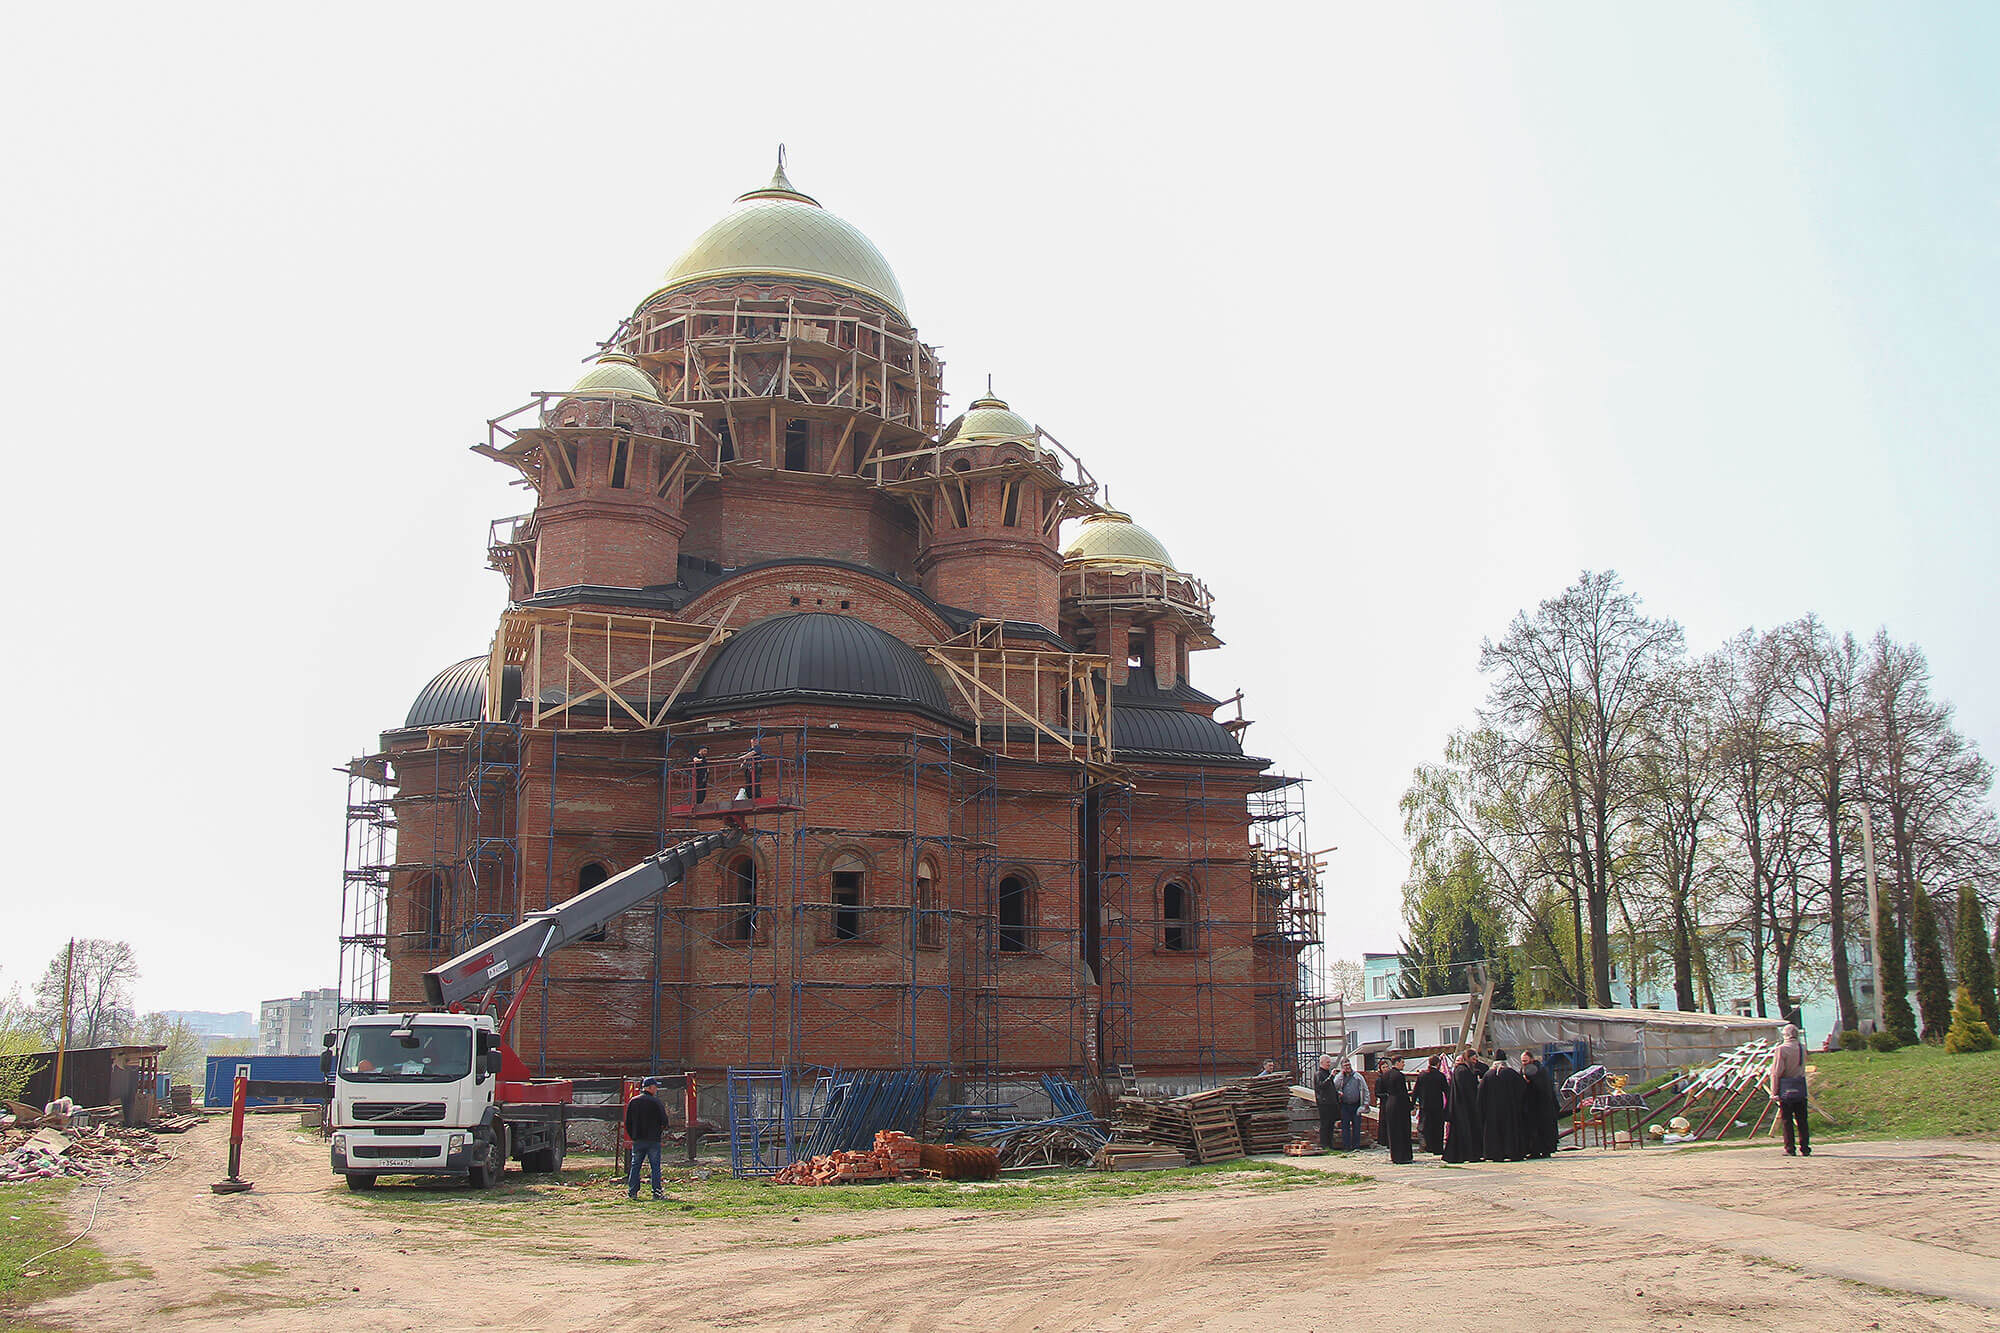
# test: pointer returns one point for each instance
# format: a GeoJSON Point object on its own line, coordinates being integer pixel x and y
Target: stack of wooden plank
{"type": "Point", "coordinates": [1263, 1123]}
{"type": "Point", "coordinates": [1116, 1156]}
{"type": "Point", "coordinates": [1201, 1124]}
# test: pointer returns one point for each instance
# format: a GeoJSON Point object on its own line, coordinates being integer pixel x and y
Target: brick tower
{"type": "Point", "coordinates": [995, 504]}
{"type": "Point", "coordinates": [605, 460]}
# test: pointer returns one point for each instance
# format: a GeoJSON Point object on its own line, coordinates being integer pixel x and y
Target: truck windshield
{"type": "Point", "coordinates": [434, 1054]}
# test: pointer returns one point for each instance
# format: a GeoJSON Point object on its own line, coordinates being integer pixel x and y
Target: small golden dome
{"type": "Point", "coordinates": [778, 231]}
{"type": "Point", "coordinates": [989, 418]}
{"type": "Point", "coordinates": [616, 375]}
{"type": "Point", "coordinates": [1113, 540]}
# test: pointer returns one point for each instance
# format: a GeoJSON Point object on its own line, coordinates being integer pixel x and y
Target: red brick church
{"type": "Point", "coordinates": [1010, 834]}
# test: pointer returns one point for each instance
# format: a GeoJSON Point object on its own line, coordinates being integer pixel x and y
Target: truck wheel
{"type": "Point", "coordinates": [359, 1181]}
{"type": "Point", "coordinates": [487, 1171]}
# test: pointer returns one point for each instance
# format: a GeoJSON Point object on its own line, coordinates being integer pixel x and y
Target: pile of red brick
{"type": "Point", "coordinates": [895, 1154]}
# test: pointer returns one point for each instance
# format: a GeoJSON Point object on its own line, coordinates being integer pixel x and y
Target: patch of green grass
{"type": "Point", "coordinates": [721, 1196]}
{"type": "Point", "coordinates": [34, 1217]}
{"type": "Point", "coordinates": [1918, 1092]}
{"type": "Point", "coordinates": [252, 1268]}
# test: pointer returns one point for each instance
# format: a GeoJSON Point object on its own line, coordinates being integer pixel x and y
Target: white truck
{"type": "Point", "coordinates": [441, 1092]}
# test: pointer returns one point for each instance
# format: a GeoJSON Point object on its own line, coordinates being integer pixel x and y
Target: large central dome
{"type": "Point", "coordinates": [779, 232]}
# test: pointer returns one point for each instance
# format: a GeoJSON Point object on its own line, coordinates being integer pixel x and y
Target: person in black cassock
{"type": "Point", "coordinates": [1500, 1096]}
{"type": "Point", "coordinates": [1326, 1097]}
{"type": "Point", "coordinates": [1462, 1137]}
{"type": "Point", "coordinates": [1541, 1131]}
{"type": "Point", "coordinates": [1429, 1091]}
{"type": "Point", "coordinates": [1392, 1105]}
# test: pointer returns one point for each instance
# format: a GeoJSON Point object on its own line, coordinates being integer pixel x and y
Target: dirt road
{"type": "Point", "coordinates": [1891, 1236]}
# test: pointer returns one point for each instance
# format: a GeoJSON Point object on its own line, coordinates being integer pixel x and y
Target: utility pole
{"type": "Point", "coordinates": [62, 1037]}
{"type": "Point", "coordinates": [1874, 917]}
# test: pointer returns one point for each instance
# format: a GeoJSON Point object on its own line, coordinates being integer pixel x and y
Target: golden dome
{"type": "Point", "coordinates": [989, 418]}
{"type": "Point", "coordinates": [616, 375]}
{"type": "Point", "coordinates": [1113, 539]}
{"type": "Point", "coordinates": [778, 232]}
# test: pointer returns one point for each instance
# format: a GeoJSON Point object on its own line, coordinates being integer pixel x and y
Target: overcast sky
{"type": "Point", "coordinates": [1387, 319]}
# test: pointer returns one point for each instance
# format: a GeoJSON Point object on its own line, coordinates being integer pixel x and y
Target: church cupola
{"type": "Point", "coordinates": [990, 503]}
{"type": "Point", "coordinates": [1123, 597]}
{"type": "Point", "coordinates": [606, 460]}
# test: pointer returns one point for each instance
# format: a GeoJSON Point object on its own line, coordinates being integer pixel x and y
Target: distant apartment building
{"type": "Point", "coordinates": [294, 1025]}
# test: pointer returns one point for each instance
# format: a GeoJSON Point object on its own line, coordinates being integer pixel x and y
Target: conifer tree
{"type": "Point", "coordinates": [1969, 1032]}
{"type": "Point", "coordinates": [1891, 975]}
{"type": "Point", "coordinates": [1975, 962]}
{"type": "Point", "coordinates": [1933, 991]}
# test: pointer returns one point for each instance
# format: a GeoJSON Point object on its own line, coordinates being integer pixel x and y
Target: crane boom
{"type": "Point", "coordinates": [541, 933]}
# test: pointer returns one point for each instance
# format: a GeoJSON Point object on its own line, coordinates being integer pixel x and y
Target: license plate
{"type": "Point", "coordinates": [397, 1161]}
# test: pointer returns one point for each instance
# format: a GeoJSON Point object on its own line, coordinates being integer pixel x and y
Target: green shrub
{"type": "Point", "coordinates": [1968, 1030]}
{"type": "Point", "coordinates": [1851, 1040]}
{"type": "Point", "coordinates": [1883, 1041]}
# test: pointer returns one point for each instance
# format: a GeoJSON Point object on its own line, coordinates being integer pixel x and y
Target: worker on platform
{"type": "Point", "coordinates": [645, 1123]}
{"type": "Point", "coordinates": [700, 767]}
{"type": "Point", "coordinates": [752, 773]}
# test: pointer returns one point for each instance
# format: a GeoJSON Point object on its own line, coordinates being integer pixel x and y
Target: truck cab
{"type": "Point", "coordinates": [423, 1094]}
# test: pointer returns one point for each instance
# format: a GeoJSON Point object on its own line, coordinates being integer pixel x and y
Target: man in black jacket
{"type": "Point", "coordinates": [1326, 1099]}
{"type": "Point", "coordinates": [645, 1121]}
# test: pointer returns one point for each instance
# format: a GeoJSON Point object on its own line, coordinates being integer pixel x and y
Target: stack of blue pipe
{"type": "Point", "coordinates": [849, 1107]}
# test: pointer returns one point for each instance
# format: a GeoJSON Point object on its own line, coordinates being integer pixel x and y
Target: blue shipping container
{"type": "Point", "coordinates": [221, 1084]}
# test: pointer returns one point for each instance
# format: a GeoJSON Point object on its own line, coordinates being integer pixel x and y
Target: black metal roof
{"type": "Point", "coordinates": [1170, 731]}
{"type": "Point", "coordinates": [818, 655]}
{"type": "Point", "coordinates": [1142, 691]}
{"type": "Point", "coordinates": [458, 694]}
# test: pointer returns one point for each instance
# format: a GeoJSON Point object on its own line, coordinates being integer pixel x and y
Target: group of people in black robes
{"type": "Point", "coordinates": [1478, 1112]}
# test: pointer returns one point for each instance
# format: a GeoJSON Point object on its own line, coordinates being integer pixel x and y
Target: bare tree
{"type": "Point", "coordinates": [1345, 980]}
{"type": "Point", "coordinates": [1481, 802]}
{"type": "Point", "coordinates": [1926, 782]}
{"type": "Point", "coordinates": [1681, 781]}
{"type": "Point", "coordinates": [1571, 686]}
{"type": "Point", "coordinates": [1818, 683]}
{"type": "Point", "coordinates": [100, 1008]}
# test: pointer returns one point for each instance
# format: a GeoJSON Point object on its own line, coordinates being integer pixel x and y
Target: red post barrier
{"type": "Point", "coordinates": [688, 1111]}
{"type": "Point", "coordinates": [235, 1184]}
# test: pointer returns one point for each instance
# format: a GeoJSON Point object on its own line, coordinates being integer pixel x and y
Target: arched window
{"type": "Point", "coordinates": [1010, 505]}
{"type": "Point", "coordinates": [847, 872]}
{"type": "Point", "coordinates": [427, 913]}
{"type": "Point", "coordinates": [930, 921]}
{"type": "Point", "coordinates": [1177, 911]}
{"type": "Point", "coordinates": [739, 886]}
{"type": "Point", "coordinates": [798, 437]}
{"type": "Point", "coordinates": [589, 878]}
{"type": "Point", "coordinates": [1013, 915]}
{"type": "Point", "coordinates": [726, 448]}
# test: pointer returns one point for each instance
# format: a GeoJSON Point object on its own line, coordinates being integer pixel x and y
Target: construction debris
{"type": "Point", "coordinates": [895, 1155]}
{"type": "Point", "coordinates": [98, 1153]}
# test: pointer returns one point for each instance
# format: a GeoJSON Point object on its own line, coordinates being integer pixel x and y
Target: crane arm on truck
{"type": "Point", "coordinates": [539, 934]}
